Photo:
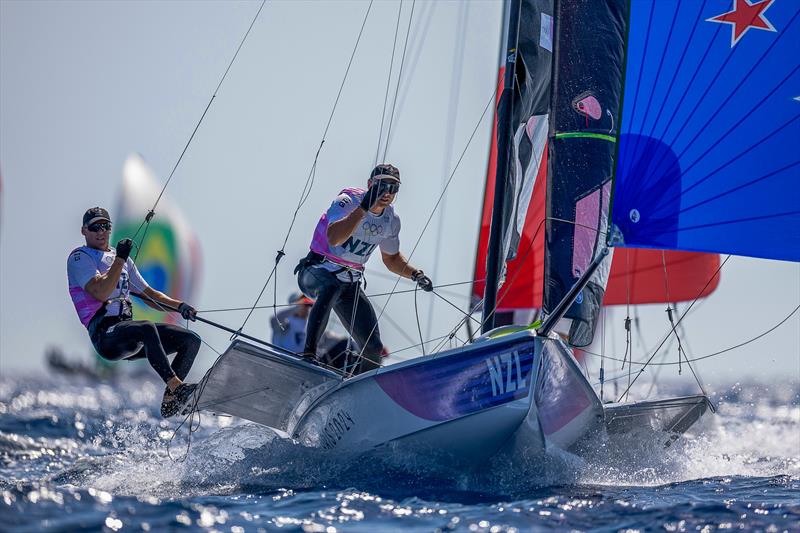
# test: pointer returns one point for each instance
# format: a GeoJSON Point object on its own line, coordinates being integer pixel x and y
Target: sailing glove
{"type": "Point", "coordinates": [375, 192]}
{"type": "Point", "coordinates": [124, 249]}
{"type": "Point", "coordinates": [423, 281]}
{"type": "Point", "coordinates": [187, 311]}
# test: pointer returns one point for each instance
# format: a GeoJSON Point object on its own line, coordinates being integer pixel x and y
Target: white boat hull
{"type": "Point", "coordinates": [516, 393]}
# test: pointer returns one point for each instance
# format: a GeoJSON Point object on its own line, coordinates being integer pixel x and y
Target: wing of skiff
{"type": "Point", "coordinates": [673, 416]}
{"type": "Point", "coordinates": [262, 385]}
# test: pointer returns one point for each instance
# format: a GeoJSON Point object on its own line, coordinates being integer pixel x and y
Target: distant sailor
{"type": "Point", "coordinates": [101, 281]}
{"type": "Point", "coordinates": [289, 332]}
{"type": "Point", "coordinates": [289, 324]}
{"type": "Point", "coordinates": [357, 222]}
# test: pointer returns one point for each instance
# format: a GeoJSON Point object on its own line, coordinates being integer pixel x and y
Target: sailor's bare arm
{"type": "Point", "coordinates": [398, 264]}
{"type": "Point", "coordinates": [102, 285]}
{"type": "Point", "coordinates": [339, 231]}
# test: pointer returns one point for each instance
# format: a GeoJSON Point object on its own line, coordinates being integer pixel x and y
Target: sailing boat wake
{"type": "Point", "coordinates": [79, 454]}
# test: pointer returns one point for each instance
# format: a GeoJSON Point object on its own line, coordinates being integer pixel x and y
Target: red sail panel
{"type": "Point", "coordinates": [686, 279]}
{"type": "Point", "coordinates": [687, 272]}
{"type": "Point", "coordinates": [479, 278]}
{"type": "Point", "coordinates": [523, 285]}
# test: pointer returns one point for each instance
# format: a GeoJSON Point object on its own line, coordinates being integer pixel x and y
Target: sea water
{"type": "Point", "coordinates": [81, 454]}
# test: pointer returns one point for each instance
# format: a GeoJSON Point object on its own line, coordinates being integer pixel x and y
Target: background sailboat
{"type": "Point", "coordinates": [169, 255]}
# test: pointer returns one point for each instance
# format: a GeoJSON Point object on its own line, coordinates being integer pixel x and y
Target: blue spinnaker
{"type": "Point", "coordinates": [708, 149]}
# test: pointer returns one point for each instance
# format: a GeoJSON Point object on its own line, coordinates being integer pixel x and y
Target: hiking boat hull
{"type": "Point", "coordinates": [519, 392]}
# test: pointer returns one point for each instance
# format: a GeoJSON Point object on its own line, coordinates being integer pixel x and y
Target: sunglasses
{"type": "Point", "coordinates": [99, 226]}
{"type": "Point", "coordinates": [389, 186]}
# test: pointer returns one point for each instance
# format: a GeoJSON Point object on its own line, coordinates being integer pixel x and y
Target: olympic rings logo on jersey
{"type": "Point", "coordinates": [372, 229]}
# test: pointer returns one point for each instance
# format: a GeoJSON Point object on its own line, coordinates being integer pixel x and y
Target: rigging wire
{"type": "Point", "coordinates": [602, 354]}
{"type": "Point", "coordinates": [707, 356]}
{"type": "Point", "coordinates": [307, 187]}
{"type": "Point", "coordinates": [457, 308]}
{"type": "Point", "coordinates": [399, 78]}
{"type": "Point", "coordinates": [449, 138]}
{"type": "Point", "coordinates": [663, 358]}
{"type": "Point", "coordinates": [388, 82]}
{"type": "Point", "coordinates": [438, 201]}
{"type": "Point", "coordinates": [415, 51]}
{"type": "Point", "coordinates": [641, 370]}
{"type": "Point", "coordinates": [376, 295]}
{"type": "Point", "coordinates": [681, 351]}
{"type": "Point", "coordinates": [152, 211]}
{"type": "Point", "coordinates": [391, 277]}
{"type": "Point", "coordinates": [628, 339]}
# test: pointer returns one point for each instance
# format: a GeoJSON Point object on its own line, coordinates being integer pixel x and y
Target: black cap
{"type": "Point", "coordinates": [95, 214]}
{"type": "Point", "coordinates": [385, 171]}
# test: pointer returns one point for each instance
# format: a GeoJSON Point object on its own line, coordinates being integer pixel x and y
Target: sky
{"type": "Point", "coordinates": [85, 84]}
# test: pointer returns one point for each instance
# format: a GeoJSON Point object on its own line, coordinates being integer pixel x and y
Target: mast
{"type": "Point", "coordinates": [494, 261]}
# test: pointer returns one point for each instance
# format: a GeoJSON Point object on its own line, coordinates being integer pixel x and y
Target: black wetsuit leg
{"type": "Point", "coordinates": [322, 285]}
{"type": "Point", "coordinates": [365, 327]}
{"type": "Point", "coordinates": [183, 343]}
{"type": "Point", "coordinates": [118, 341]}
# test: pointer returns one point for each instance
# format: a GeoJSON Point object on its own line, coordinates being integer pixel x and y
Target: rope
{"type": "Point", "coordinates": [419, 328]}
{"type": "Point", "coordinates": [192, 411]}
{"type": "Point", "coordinates": [152, 211]}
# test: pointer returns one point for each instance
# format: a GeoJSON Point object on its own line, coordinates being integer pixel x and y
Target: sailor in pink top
{"type": "Point", "coordinates": [101, 281]}
{"type": "Point", "coordinates": [357, 223]}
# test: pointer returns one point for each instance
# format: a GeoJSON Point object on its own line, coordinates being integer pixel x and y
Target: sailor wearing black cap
{"type": "Point", "coordinates": [101, 280]}
{"type": "Point", "coordinates": [357, 222]}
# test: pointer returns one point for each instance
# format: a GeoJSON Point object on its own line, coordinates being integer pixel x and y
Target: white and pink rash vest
{"type": "Point", "coordinates": [83, 264]}
{"type": "Point", "coordinates": [374, 230]}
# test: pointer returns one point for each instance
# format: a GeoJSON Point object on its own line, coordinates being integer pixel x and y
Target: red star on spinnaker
{"type": "Point", "coordinates": [745, 15]}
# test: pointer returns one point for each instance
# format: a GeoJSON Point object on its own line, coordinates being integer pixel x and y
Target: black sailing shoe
{"type": "Point", "coordinates": [173, 401]}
